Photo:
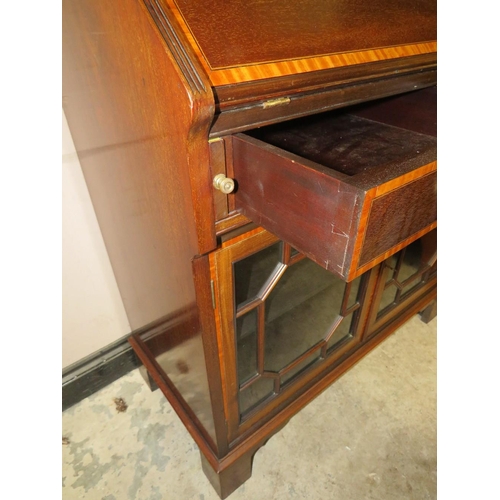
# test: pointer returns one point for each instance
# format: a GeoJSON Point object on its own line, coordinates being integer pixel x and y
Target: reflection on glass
{"type": "Point", "coordinates": [388, 297]}
{"type": "Point", "coordinates": [296, 370]}
{"type": "Point", "coordinates": [433, 270]}
{"type": "Point", "coordinates": [299, 321]}
{"type": "Point", "coordinates": [342, 333]}
{"type": "Point", "coordinates": [353, 293]}
{"type": "Point", "coordinates": [252, 272]}
{"type": "Point", "coordinates": [256, 393]}
{"type": "Point", "coordinates": [412, 262]}
{"type": "Point", "coordinates": [392, 261]}
{"type": "Point", "coordinates": [408, 269]}
{"type": "Point", "coordinates": [345, 328]}
{"type": "Point", "coordinates": [299, 312]}
{"type": "Point", "coordinates": [246, 340]}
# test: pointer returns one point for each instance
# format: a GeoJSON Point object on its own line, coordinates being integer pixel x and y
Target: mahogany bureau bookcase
{"type": "Point", "coordinates": [264, 176]}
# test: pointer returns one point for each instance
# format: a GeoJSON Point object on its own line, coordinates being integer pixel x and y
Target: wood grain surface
{"type": "Point", "coordinates": [143, 81]}
{"type": "Point", "coordinates": [391, 224]}
{"type": "Point", "coordinates": [250, 40]}
{"type": "Point", "coordinates": [145, 189]}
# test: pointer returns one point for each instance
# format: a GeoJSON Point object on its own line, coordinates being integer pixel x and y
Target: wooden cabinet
{"type": "Point", "coordinates": [284, 321]}
{"type": "Point", "coordinates": [282, 329]}
{"type": "Point", "coordinates": [246, 304]}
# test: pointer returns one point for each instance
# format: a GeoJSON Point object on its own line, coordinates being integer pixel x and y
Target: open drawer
{"type": "Point", "coordinates": [347, 188]}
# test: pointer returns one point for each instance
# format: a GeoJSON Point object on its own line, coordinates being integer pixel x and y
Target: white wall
{"type": "Point", "coordinates": [93, 313]}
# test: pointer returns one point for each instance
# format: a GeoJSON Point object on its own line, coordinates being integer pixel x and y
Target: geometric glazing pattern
{"type": "Point", "coordinates": [408, 269]}
{"type": "Point", "coordinates": [297, 315]}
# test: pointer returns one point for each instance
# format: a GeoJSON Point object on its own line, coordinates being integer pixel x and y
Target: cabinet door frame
{"type": "Point", "coordinates": [221, 264]}
{"type": "Point", "coordinates": [425, 288]}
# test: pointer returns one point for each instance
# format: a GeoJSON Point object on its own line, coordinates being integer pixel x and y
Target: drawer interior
{"type": "Point", "coordinates": [347, 188]}
{"type": "Point", "coordinates": [357, 139]}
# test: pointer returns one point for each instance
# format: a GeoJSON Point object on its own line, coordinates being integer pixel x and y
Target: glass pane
{"type": "Point", "coordinates": [344, 329]}
{"type": "Point", "coordinates": [342, 332]}
{"type": "Point", "coordinates": [412, 262]}
{"type": "Point", "coordinates": [299, 312]}
{"type": "Point", "coordinates": [301, 366]}
{"type": "Point", "coordinates": [246, 341]}
{"type": "Point", "coordinates": [433, 270]}
{"type": "Point", "coordinates": [410, 286]}
{"type": "Point", "coordinates": [389, 294]}
{"type": "Point", "coordinates": [353, 293]}
{"type": "Point", "coordinates": [392, 261]}
{"type": "Point", "coordinates": [256, 393]}
{"type": "Point", "coordinates": [388, 298]}
{"type": "Point", "coordinates": [252, 272]}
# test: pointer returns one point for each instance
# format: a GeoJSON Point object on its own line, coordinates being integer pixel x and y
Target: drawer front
{"type": "Point", "coordinates": [406, 210]}
{"type": "Point", "coordinates": [373, 193]}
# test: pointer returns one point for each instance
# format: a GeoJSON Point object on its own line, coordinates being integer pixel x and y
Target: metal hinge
{"type": "Point", "coordinates": [214, 139]}
{"type": "Point", "coordinates": [276, 102]}
{"type": "Point", "coordinates": [213, 292]}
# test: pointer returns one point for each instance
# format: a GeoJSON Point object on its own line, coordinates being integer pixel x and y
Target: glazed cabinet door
{"type": "Point", "coordinates": [282, 321]}
{"type": "Point", "coordinates": [404, 279]}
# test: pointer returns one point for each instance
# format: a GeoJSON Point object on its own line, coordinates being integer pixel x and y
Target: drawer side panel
{"type": "Point", "coordinates": [313, 211]}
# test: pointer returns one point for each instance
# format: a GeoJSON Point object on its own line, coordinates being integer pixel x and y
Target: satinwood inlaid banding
{"type": "Point", "coordinates": [259, 63]}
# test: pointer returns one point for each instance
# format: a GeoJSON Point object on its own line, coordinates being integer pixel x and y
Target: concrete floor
{"type": "Point", "coordinates": [371, 435]}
